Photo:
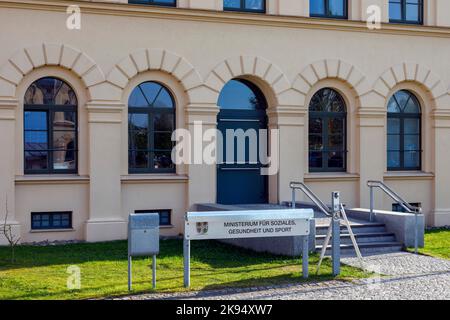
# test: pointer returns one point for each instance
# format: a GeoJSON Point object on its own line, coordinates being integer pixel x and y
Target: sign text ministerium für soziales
{"type": "Point", "coordinates": [262, 226]}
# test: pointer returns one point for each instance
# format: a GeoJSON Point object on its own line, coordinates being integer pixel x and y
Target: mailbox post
{"type": "Point", "coordinates": [143, 240]}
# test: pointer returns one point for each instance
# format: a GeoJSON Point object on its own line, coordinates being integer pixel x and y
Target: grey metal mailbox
{"type": "Point", "coordinates": [143, 239]}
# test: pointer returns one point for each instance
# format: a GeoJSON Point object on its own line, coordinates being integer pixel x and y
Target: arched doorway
{"type": "Point", "coordinates": [243, 114]}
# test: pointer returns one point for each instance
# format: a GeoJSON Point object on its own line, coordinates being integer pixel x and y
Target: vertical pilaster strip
{"type": "Point", "coordinates": [106, 219]}
{"type": "Point", "coordinates": [372, 152]}
{"type": "Point", "coordinates": [8, 109]}
{"type": "Point", "coordinates": [202, 177]}
{"type": "Point", "coordinates": [290, 121]}
{"type": "Point", "coordinates": [441, 213]}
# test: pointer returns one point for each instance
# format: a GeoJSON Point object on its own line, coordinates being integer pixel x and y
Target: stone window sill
{"type": "Point", "coordinates": [52, 230]}
{"type": "Point", "coordinates": [327, 176]}
{"type": "Point", "coordinates": [51, 178]}
{"type": "Point", "coordinates": [408, 175]}
{"type": "Point", "coordinates": [149, 178]}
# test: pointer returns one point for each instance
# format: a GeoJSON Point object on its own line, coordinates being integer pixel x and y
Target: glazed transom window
{"type": "Point", "coordinates": [167, 3]}
{"type": "Point", "coordinates": [151, 121]}
{"type": "Point", "coordinates": [328, 8]}
{"type": "Point", "coordinates": [50, 127]}
{"type": "Point", "coordinates": [406, 11]}
{"type": "Point", "coordinates": [404, 132]}
{"type": "Point", "coordinates": [327, 132]}
{"type": "Point", "coordinates": [245, 5]}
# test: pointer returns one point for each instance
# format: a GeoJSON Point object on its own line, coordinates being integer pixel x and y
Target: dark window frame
{"type": "Point", "coordinates": [51, 214]}
{"type": "Point", "coordinates": [153, 3]}
{"type": "Point", "coordinates": [151, 112]}
{"type": "Point", "coordinates": [326, 14]}
{"type": "Point", "coordinates": [402, 117]}
{"type": "Point", "coordinates": [403, 20]}
{"type": "Point", "coordinates": [159, 211]}
{"type": "Point", "coordinates": [50, 110]}
{"type": "Point", "coordinates": [326, 116]}
{"type": "Point", "coordinates": [243, 8]}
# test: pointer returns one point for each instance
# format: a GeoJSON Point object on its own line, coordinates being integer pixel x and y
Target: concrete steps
{"type": "Point", "coordinates": [372, 238]}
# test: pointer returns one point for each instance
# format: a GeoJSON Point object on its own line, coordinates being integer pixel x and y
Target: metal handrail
{"type": "Point", "coordinates": [397, 198]}
{"type": "Point", "coordinates": [308, 192]}
{"type": "Point", "coordinates": [404, 204]}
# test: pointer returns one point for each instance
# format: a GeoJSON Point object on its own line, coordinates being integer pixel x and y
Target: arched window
{"type": "Point", "coordinates": [50, 127]}
{"type": "Point", "coordinates": [404, 132]}
{"type": "Point", "coordinates": [151, 121]}
{"type": "Point", "coordinates": [327, 132]}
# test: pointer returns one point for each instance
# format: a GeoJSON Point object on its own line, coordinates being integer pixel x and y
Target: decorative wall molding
{"type": "Point", "coordinates": [408, 71]}
{"type": "Point", "coordinates": [330, 69]}
{"type": "Point", "coordinates": [252, 66]}
{"type": "Point", "coordinates": [157, 60]}
{"type": "Point", "coordinates": [123, 9]}
{"type": "Point", "coordinates": [48, 54]}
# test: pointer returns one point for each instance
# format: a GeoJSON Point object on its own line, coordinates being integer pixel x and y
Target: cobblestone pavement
{"type": "Point", "coordinates": [405, 276]}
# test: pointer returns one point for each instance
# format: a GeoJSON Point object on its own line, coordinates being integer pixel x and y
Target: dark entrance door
{"type": "Point", "coordinates": [242, 107]}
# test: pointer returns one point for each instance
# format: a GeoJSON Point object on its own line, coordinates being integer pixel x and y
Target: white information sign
{"type": "Point", "coordinates": [247, 224]}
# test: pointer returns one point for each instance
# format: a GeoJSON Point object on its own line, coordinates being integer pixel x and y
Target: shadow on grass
{"type": "Point", "coordinates": [212, 253]}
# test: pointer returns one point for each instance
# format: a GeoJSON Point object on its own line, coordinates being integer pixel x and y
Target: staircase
{"type": "Point", "coordinates": [372, 238]}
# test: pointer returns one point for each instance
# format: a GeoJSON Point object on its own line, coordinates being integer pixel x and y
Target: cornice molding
{"type": "Point", "coordinates": [123, 9]}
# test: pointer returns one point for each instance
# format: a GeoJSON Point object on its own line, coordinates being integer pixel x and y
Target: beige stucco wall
{"type": "Point", "coordinates": [195, 52]}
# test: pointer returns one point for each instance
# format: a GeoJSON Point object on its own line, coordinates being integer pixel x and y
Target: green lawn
{"type": "Point", "coordinates": [437, 243]}
{"type": "Point", "coordinates": [41, 272]}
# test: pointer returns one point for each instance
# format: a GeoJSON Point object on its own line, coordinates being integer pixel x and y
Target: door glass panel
{"type": "Point", "coordinates": [241, 95]}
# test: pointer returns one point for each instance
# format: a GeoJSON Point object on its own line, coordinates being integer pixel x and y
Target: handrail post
{"type": "Point", "coordinates": [293, 198]}
{"type": "Point", "coordinates": [371, 204]}
{"type": "Point", "coordinates": [416, 232]}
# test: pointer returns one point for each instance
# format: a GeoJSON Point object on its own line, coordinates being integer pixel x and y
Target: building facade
{"type": "Point", "coordinates": [86, 114]}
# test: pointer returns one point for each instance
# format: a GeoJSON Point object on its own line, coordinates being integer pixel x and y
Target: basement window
{"type": "Point", "coordinates": [51, 220]}
{"type": "Point", "coordinates": [165, 216]}
{"type": "Point", "coordinates": [398, 208]}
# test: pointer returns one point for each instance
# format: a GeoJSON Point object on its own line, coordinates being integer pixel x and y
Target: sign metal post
{"type": "Point", "coordinates": [247, 224]}
{"type": "Point", "coordinates": [336, 234]}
